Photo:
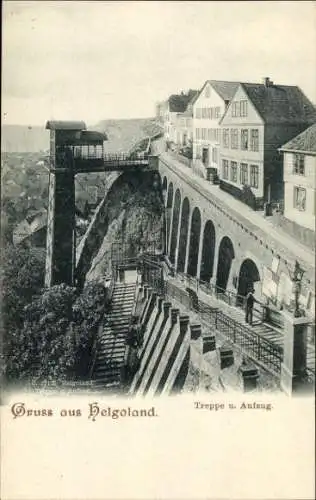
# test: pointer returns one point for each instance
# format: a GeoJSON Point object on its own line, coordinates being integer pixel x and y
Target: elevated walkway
{"type": "Point", "coordinates": [281, 242]}
{"type": "Point", "coordinates": [233, 319]}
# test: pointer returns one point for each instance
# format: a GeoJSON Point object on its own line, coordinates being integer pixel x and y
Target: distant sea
{"type": "Point", "coordinates": [122, 135]}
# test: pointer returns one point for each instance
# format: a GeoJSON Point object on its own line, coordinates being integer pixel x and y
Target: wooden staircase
{"type": "Point", "coordinates": [111, 338]}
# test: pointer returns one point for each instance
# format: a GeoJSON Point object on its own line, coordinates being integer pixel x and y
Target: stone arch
{"type": "Point", "coordinates": [164, 183]}
{"type": "Point", "coordinates": [248, 276]}
{"type": "Point", "coordinates": [168, 212]}
{"type": "Point", "coordinates": [226, 254]}
{"type": "Point", "coordinates": [194, 242]}
{"type": "Point", "coordinates": [184, 227]}
{"type": "Point", "coordinates": [208, 252]}
{"type": "Point", "coordinates": [175, 225]}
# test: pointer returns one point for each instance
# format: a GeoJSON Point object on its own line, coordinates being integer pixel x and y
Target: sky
{"type": "Point", "coordinates": [91, 60]}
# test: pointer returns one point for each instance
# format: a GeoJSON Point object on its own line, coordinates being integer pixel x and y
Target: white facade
{"type": "Point", "coordinates": [184, 132]}
{"type": "Point", "coordinates": [242, 145]}
{"type": "Point", "coordinates": [208, 108]}
{"type": "Point", "coordinates": [165, 117]}
{"type": "Point", "coordinates": [300, 188]}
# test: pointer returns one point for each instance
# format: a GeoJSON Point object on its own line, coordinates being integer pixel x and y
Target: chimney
{"type": "Point", "coordinates": [267, 82]}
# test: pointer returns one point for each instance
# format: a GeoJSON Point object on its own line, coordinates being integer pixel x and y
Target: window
{"type": "Point", "coordinates": [207, 91]}
{"type": "Point", "coordinates": [234, 138]}
{"type": "Point", "coordinates": [236, 108]}
{"type": "Point", "coordinates": [198, 113]}
{"type": "Point", "coordinates": [254, 139]}
{"type": "Point", "coordinates": [254, 176]}
{"type": "Point", "coordinates": [244, 139]}
{"type": "Point", "coordinates": [217, 112]}
{"type": "Point", "coordinates": [243, 108]}
{"type": "Point", "coordinates": [300, 198]}
{"type": "Point", "coordinates": [204, 134]}
{"type": "Point", "coordinates": [233, 171]}
{"type": "Point", "coordinates": [225, 169]}
{"type": "Point", "coordinates": [214, 155]}
{"type": "Point", "coordinates": [226, 137]}
{"type": "Point", "coordinates": [299, 164]}
{"type": "Point", "coordinates": [197, 133]}
{"type": "Point", "coordinates": [243, 173]}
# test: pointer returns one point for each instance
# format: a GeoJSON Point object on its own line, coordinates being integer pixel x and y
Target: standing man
{"type": "Point", "coordinates": [250, 300]}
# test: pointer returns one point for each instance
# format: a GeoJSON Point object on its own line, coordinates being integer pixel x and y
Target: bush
{"type": "Point", "coordinates": [54, 343]}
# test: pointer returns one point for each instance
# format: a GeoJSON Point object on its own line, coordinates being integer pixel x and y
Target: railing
{"type": "Point", "coordinates": [126, 159]}
{"type": "Point", "coordinates": [229, 297]}
{"type": "Point", "coordinates": [250, 342]}
{"type": "Point", "coordinates": [179, 157]}
{"type": "Point", "coordinates": [95, 345]}
{"type": "Point", "coordinates": [267, 353]}
{"type": "Point", "coordinates": [310, 375]}
{"type": "Point", "coordinates": [94, 354]}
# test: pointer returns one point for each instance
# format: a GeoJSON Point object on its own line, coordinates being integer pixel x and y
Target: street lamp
{"type": "Point", "coordinates": [296, 277]}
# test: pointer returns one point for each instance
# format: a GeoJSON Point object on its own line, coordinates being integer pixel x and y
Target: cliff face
{"type": "Point", "coordinates": [138, 221]}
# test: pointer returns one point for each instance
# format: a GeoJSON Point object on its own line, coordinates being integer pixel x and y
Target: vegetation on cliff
{"type": "Point", "coordinates": [56, 338]}
{"type": "Point", "coordinates": [49, 333]}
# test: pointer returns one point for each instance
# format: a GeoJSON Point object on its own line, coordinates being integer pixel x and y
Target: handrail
{"type": "Point", "coordinates": [94, 349]}
{"type": "Point", "coordinates": [94, 354]}
{"type": "Point", "coordinates": [230, 297]}
{"type": "Point", "coordinates": [254, 345]}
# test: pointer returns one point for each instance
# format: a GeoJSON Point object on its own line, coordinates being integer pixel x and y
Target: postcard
{"type": "Point", "coordinates": [158, 250]}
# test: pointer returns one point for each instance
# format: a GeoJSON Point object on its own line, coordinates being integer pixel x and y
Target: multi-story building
{"type": "Point", "coordinates": [258, 120]}
{"type": "Point", "coordinates": [184, 127]}
{"type": "Point", "coordinates": [170, 113]}
{"type": "Point", "coordinates": [300, 178]}
{"type": "Point", "coordinates": [208, 108]}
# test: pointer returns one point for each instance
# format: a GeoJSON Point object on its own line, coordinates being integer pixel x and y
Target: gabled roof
{"type": "Point", "coordinates": [224, 89]}
{"type": "Point", "coordinates": [280, 103]}
{"type": "Point", "coordinates": [178, 102]}
{"type": "Point", "coordinates": [24, 229]}
{"type": "Point", "coordinates": [305, 142]}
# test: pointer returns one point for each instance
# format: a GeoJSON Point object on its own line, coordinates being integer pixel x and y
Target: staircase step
{"type": "Point", "coordinates": [107, 350]}
{"type": "Point", "coordinates": [113, 340]}
{"type": "Point", "coordinates": [104, 371]}
{"type": "Point", "coordinates": [122, 289]}
{"type": "Point", "coordinates": [124, 294]}
{"type": "Point", "coordinates": [113, 333]}
{"type": "Point", "coordinates": [122, 307]}
{"type": "Point", "coordinates": [108, 357]}
{"type": "Point", "coordinates": [115, 367]}
{"type": "Point", "coordinates": [121, 313]}
{"type": "Point", "coordinates": [105, 381]}
{"type": "Point", "coordinates": [125, 313]}
{"type": "Point", "coordinates": [112, 336]}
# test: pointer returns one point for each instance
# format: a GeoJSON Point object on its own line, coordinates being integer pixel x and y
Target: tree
{"type": "Point", "coordinates": [22, 277]}
{"type": "Point", "coordinates": [56, 339]}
